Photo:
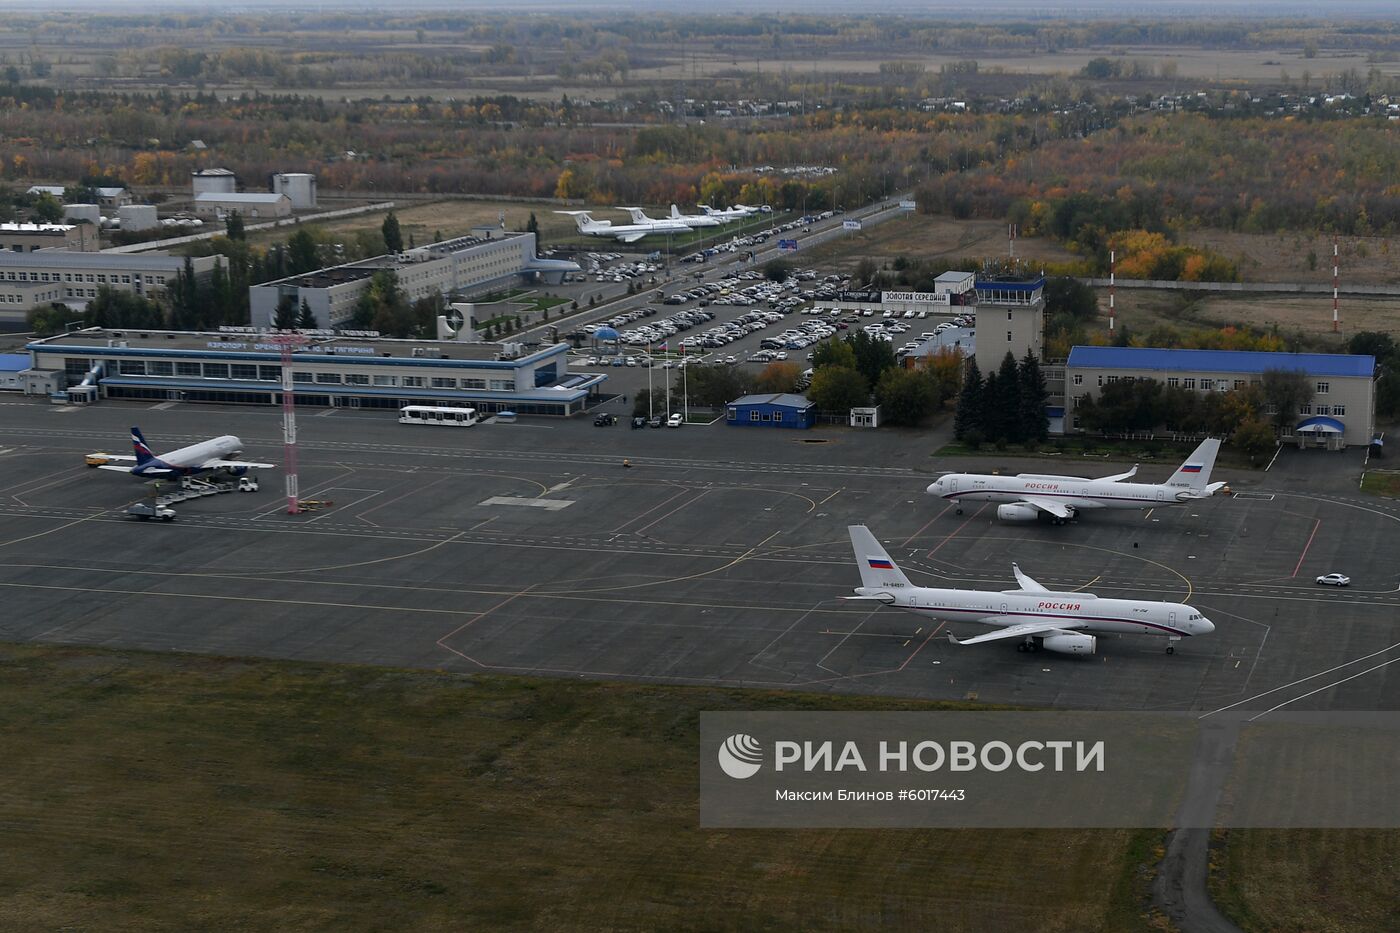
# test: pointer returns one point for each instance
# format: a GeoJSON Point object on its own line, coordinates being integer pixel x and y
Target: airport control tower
{"type": "Point", "coordinates": [1010, 316]}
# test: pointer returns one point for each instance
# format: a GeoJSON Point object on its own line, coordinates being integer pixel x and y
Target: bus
{"type": "Point", "coordinates": [431, 414]}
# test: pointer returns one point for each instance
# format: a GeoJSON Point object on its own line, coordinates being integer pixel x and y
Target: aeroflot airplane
{"type": "Point", "coordinates": [1038, 617]}
{"type": "Point", "coordinates": [1029, 494]}
{"type": "Point", "coordinates": [187, 461]}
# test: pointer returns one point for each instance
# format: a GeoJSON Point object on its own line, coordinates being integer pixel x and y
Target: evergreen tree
{"type": "Point", "coordinates": [302, 255]}
{"type": "Point", "coordinates": [969, 416]}
{"type": "Point", "coordinates": [213, 314]}
{"type": "Point", "coordinates": [234, 227]}
{"type": "Point", "coordinates": [284, 318]}
{"type": "Point", "coordinates": [305, 318]}
{"type": "Point", "coordinates": [1002, 403]}
{"type": "Point", "coordinates": [393, 236]}
{"type": "Point", "coordinates": [1035, 424]}
{"type": "Point", "coordinates": [533, 226]}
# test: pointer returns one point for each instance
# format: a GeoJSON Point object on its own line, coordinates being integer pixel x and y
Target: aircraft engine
{"type": "Point", "coordinates": [237, 471]}
{"type": "Point", "coordinates": [1015, 512]}
{"type": "Point", "coordinates": [1069, 644]}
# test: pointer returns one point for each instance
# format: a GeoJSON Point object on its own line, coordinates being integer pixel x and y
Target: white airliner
{"type": "Point", "coordinates": [639, 216]}
{"type": "Point", "coordinates": [1029, 494]}
{"type": "Point", "coordinates": [695, 220]}
{"type": "Point", "coordinates": [626, 233]}
{"type": "Point", "coordinates": [1037, 617]}
{"type": "Point", "coordinates": [737, 212]}
{"type": "Point", "coordinates": [187, 461]}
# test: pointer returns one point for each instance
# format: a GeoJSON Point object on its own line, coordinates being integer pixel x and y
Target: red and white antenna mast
{"type": "Point", "coordinates": [1112, 270]}
{"type": "Point", "coordinates": [1336, 275]}
{"type": "Point", "coordinates": [288, 343]}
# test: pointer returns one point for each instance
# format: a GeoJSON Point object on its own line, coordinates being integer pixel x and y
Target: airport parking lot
{"type": "Point", "coordinates": [717, 558]}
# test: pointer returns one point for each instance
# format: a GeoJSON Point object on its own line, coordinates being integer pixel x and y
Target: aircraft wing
{"type": "Point", "coordinates": [1050, 506]}
{"type": "Point", "coordinates": [1027, 584]}
{"type": "Point", "coordinates": [229, 464]}
{"type": "Point", "coordinates": [1120, 477]}
{"type": "Point", "coordinates": [120, 458]}
{"type": "Point", "coordinates": [114, 468]}
{"type": "Point", "coordinates": [1014, 631]}
{"type": "Point", "coordinates": [632, 237]}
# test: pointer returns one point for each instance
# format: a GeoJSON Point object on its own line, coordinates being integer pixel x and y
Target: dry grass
{"type": "Point", "coordinates": [1286, 257]}
{"type": "Point", "coordinates": [930, 236]}
{"type": "Point", "coordinates": [1141, 310]}
{"type": "Point", "coordinates": [171, 792]}
{"type": "Point", "coordinates": [1307, 881]}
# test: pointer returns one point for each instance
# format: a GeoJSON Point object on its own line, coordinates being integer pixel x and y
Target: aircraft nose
{"type": "Point", "coordinates": [1207, 626]}
{"type": "Point", "coordinates": [933, 487]}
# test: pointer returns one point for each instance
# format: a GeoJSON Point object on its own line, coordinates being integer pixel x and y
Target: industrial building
{"type": "Point", "coordinates": [459, 268]}
{"type": "Point", "coordinates": [213, 181]}
{"type": "Point", "coordinates": [238, 365]}
{"type": "Point", "coordinates": [1340, 414]}
{"type": "Point", "coordinates": [114, 196]}
{"type": "Point", "coordinates": [30, 238]}
{"type": "Point", "coordinates": [951, 290]}
{"type": "Point", "coordinates": [771, 411]}
{"type": "Point", "coordinates": [300, 187]}
{"type": "Point", "coordinates": [252, 205]}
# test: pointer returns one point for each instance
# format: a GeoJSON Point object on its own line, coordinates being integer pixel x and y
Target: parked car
{"type": "Point", "coordinates": [639, 422]}
{"type": "Point", "coordinates": [675, 420]}
{"type": "Point", "coordinates": [604, 420]}
{"type": "Point", "coordinates": [1334, 579]}
{"type": "Point", "coordinates": [657, 421]}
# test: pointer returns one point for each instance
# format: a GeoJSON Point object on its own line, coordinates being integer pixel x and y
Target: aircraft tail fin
{"type": "Point", "coordinates": [143, 452]}
{"type": "Point", "coordinates": [675, 212]}
{"type": "Point", "coordinates": [877, 570]}
{"type": "Point", "coordinates": [1194, 474]}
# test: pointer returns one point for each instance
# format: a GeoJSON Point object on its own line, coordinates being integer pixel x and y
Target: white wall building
{"type": "Point", "coordinates": [462, 267]}
{"type": "Point", "coordinates": [213, 181]}
{"type": "Point", "coordinates": [299, 186]}
{"type": "Point", "coordinates": [252, 206]}
{"type": "Point", "coordinates": [1341, 413]}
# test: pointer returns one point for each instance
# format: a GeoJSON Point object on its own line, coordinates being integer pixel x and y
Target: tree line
{"type": "Point", "coordinates": [1007, 407]}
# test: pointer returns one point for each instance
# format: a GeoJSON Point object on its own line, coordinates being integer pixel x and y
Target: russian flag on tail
{"type": "Point", "coordinates": [1191, 468]}
{"type": "Point", "coordinates": [880, 563]}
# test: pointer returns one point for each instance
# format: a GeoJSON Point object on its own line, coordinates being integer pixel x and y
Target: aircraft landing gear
{"type": "Point", "coordinates": [1171, 643]}
{"type": "Point", "coordinates": [1028, 645]}
{"type": "Point", "coordinates": [958, 512]}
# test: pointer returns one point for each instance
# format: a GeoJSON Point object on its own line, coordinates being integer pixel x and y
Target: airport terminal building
{"type": "Point", "coordinates": [1340, 414]}
{"type": "Point", "coordinates": [241, 366]}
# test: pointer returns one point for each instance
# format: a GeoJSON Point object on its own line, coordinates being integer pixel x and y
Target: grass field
{"type": "Point", "coordinates": [930, 236]}
{"type": "Point", "coordinates": [1307, 881]}
{"type": "Point", "coordinates": [1381, 483]}
{"type": "Point", "coordinates": [175, 793]}
{"type": "Point", "coordinates": [1141, 310]}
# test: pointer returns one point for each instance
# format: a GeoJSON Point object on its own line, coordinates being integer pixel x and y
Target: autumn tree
{"type": "Point", "coordinates": [838, 389]}
{"type": "Point", "coordinates": [1286, 391]}
{"type": "Point", "coordinates": [778, 377]}
{"type": "Point", "coordinates": [906, 396]}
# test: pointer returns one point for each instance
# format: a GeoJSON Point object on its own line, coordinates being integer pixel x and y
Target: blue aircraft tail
{"type": "Point", "coordinates": [143, 453]}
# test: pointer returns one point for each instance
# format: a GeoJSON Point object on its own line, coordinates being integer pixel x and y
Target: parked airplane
{"type": "Point", "coordinates": [695, 220]}
{"type": "Point", "coordinates": [737, 212]}
{"type": "Point", "coordinates": [1062, 497]}
{"type": "Point", "coordinates": [626, 233]}
{"type": "Point", "coordinates": [1038, 617]}
{"type": "Point", "coordinates": [187, 461]}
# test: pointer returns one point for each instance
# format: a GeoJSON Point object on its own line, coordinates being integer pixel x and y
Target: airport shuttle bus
{"type": "Point", "coordinates": [430, 414]}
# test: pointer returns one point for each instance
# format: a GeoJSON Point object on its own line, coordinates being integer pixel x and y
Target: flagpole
{"type": "Point", "coordinates": [685, 385]}
{"type": "Point", "coordinates": [650, 391]}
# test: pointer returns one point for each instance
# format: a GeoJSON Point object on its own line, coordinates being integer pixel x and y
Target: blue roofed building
{"type": "Point", "coordinates": [1341, 412]}
{"type": "Point", "coordinates": [11, 365]}
{"type": "Point", "coordinates": [783, 410]}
